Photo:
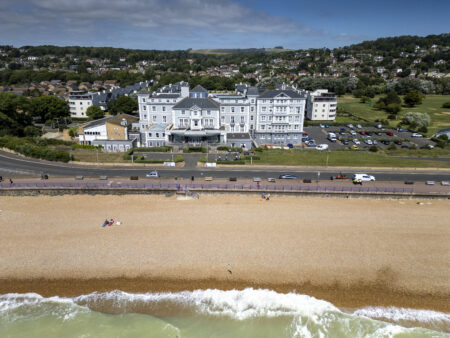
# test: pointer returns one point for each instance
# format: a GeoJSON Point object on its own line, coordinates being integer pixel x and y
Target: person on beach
{"type": "Point", "coordinates": [105, 223]}
{"type": "Point", "coordinates": [11, 181]}
{"type": "Point", "coordinates": [263, 196]}
{"type": "Point", "coordinates": [268, 197]}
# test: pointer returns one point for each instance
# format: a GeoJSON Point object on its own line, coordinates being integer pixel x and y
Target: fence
{"type": "Point", "coordinates": [205, 186]}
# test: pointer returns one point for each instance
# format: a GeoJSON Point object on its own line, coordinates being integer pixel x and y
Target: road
{"type": "Point", "coordinates": [15, 166]}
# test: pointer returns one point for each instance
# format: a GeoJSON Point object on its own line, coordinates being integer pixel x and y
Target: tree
{"type": "Point", "coordinates": [123, 104]}
{"type": "Point", "coordinates": [413, 98]}
{"type": "Point", "coordinates": [417, 119]}
{"type": "Point", "coordinates": [393, 108]}
{"type": "Point", "coordinates": [95, 113]}
{"type": "Point", "coordinates": [446, 104]}
{"type": "Point", "coordinates": [48, 108]}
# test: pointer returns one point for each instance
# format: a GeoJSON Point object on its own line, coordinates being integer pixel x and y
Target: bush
{"type": "Point", "coordinates": [392, 146]}
{"type": "Point", "coordinates": [423, 130]}
{"type": "Point", "coordinates": [446, 105]}
{"type": "Point", "coordinates": [417, 119]}
{"type": "Point", "coordinates": [202, 159]}
{"type": "Point", "coordinates": [231, 162]}
{"type": "Point", "coordinates": [373, 149]}
{"type": "Point", "coordinates": [178, 159]}
{"type": "Point", "coordinates": [233, 149]}
{"type": "Point", "coordinates": [254, 158]}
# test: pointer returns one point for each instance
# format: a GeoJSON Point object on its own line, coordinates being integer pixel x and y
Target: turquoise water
{"type": "Point", "coordinates": [207, 313]}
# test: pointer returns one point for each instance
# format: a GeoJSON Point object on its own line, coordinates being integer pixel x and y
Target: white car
{"type": "Point", "coordinates": [351, 126]}
{"type": "Point", "coordinates": [322, 125]}
{"type": "Point", "coordinates": [356, 141]}
{"type": "Point", "coordinates": [352, 132]}
{"type": "Point", "coordinates": [368, 142]}
{"type": "Point", "coordinates": [153, 173]}
{"type": "Point", "coordinates": [363, 177]}
{"type": "Point", "coordinates": [416, 135]}
{"type": "Point", "coordinates": [358, 126]}
{"type": "Point", "coordinates": [322, 147]}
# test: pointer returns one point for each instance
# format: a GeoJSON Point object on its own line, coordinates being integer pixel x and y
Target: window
{"type": "Point", "coordinates": [232, 119]}
{"type": "Point", "coordinates": [222, 118]}
{"type": "Point", "coordinates": [209, 112]}
{"type": "Point", "coordinates": [242, 119]}
{"type": "Point", "coordinates": [144, 107]}
{"type": "Point", "coordinates": [222, 109]}
{"type": "Point", "coordinates": [163, 134]}
{"type": "Point", "coordinates": [143, 99]}
{"type": "Point", "coordinates": [251, 126]}
{"type": "Point", "coordinates": [182, 112]}
{"type": "Point", "coordinates": [252, 108]}
{"type": "Point", "coordinates": [153, 108]}
{"type": "Point", "coordinates": [252, 101]}
{"type": "Point", "coordinates": [232, 109]}
{"type": "Point", "coordinates": [163, 108]}
{"type": "Point", "coordinates": [149, 134]}
{"type": "Point", "coordinates": [263, 127]}
{"type": "Point", "coordinates": [263, 108]}
{"type": "Point", "coordinates": [164, 119]}
{"type": "Point", "coordinates": [263, 118]}
{"type": "Point", "coordinates": [157, 134]}
{"type": "Point", "coordinates": [154, 117]}
{"type": "Point", "coordinates": [242, 109]}
{"type": "Point", "coordinates": [251, 118]}
{"type": "Point", "coordinates": [196, 123]}
{"type": "Point", "coordinates": [145, 116]}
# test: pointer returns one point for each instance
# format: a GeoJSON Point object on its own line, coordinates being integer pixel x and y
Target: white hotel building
{"type": "Point", "coordinates": [194, 116]}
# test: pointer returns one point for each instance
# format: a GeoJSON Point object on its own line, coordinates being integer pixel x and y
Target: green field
{"type": "Point", "coordinates": [347, 158]}
{"type": "Point", "coordinates": [432, 105]}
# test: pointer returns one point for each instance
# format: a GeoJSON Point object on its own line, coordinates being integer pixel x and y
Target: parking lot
{"type": "Point", "coordinates": [383, 137]}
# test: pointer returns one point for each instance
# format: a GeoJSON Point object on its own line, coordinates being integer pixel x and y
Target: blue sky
{"type": "Point", "coordinates": [182, 24]}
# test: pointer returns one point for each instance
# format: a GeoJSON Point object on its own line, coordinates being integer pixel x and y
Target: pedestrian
{"type": "Point", "coordinates": [268, 197]}
{"type": "Point", "coordinates": [263, 196]}
{"type": "Point", "coordinates": [257, 185]}
{"type": "Point", "coordinates": [11, 181]}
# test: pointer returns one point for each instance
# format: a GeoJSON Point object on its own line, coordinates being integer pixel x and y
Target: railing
{"type": "Point", "coordinates": [204, 186]}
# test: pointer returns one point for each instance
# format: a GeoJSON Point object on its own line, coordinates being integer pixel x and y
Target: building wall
{"type": "Point", "coordinates": [206, 118]}
{"type": "Point", "coordinates": [321, 108]}
{"type": "Point", "coordinates": [116, 132]}
{"type": "Point", "coordinates": [93, 133]}
{"type": "Point", "coordinates": [78, 107]}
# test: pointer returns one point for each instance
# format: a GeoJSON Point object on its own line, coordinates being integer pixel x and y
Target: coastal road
{"type": "Point", "coordinates": [15, 166]}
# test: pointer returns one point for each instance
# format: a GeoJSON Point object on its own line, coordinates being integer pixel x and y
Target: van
{"type": "Point", "coordinates": [332, 137]}
{"type": "Point", "coordinates": [363, 177]}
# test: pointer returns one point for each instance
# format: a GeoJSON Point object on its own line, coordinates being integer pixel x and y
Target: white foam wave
{"type": "Point", "coordinates": [402, 314]}
{"type": "Point", "coordinates": [238, 304]}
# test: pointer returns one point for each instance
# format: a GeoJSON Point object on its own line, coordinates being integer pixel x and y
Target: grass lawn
{"type": "Point", "coordinates": [84, 155]}
{"type": "Point", "coordinates": [346, 158]}
{"type": "Point", "coordinates": [432, 105]}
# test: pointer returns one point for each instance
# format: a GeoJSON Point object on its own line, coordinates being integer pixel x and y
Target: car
{"type": "Point", "coordinates": [358, 126]}
{"type": "Point", "coordinates": [153, 173]}
{"type": "Point", "coordinates": [356, 141]}
{"type": "Point", "coordinates": [368, 142]}
{"type": "Point", "coordinates": [327, 126]}
{"type": "Point", "coordinates": [321, 125]}
{"type": "Point", "coordinates": [354, 147]}
{"type": "Point", "coordinates": [340, 176]}
{"type": "Point", "coordinates": [345, 142]}
{"type": "Point", "coordinates": [416, 135]}
{"type": "Point", "coordinates": [288, 177]}
{"type": "Point", "coordinates": [322, 147]}
{"type": "Point", "coordinates": [389, 133]}
{"type": "Point", "coordinates": [379, 126]}
{"type": "Point", "coordinates": [375, 142]}
{"type": "Point", "coordinates": [342, 132]}
{"type": "Point", "coordinates": [378, 133]}
{"type": "Point", "coordinates": [398, 142]}
{"type": "Point", "coordinates": [363, 177]}
{"type": "Point", "coordinates": [362, 132]}
{"type": "Point", "coordinates": [402, 129]}
{"type": "Point", "coordinates": [386, 142]}
{"type": "Point", "coordinates": [350, 126]}
{"type": "Point", "coordinates": [311, 143]}
{"type": "Point", "coordinates": [404, 146]}
{"type": "Point", "coordinates": [290, 145]}
{"type": "Point", "coordinates": [369, 133]}
{"type": "Point", "coordinates": [352, 132]}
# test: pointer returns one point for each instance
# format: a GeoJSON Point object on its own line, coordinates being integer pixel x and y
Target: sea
{"type": "Point", "coordinates": [208, 313]}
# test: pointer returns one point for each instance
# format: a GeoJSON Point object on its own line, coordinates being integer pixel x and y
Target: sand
{"type": "Point", "coordinates": [352, 252]}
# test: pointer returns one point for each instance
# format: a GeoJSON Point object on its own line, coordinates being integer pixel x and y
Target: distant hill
{"type": "Point", "coordinates": [238, 51]}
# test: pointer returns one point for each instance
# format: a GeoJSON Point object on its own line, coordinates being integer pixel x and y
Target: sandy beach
{"type": "Point", "coordinates": [351, 252]}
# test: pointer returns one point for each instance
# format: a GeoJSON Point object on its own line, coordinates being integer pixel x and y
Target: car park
{"type": "Point", "coordinates": [288, 177]}
{"type": "Point", "coordinates": [416, 135]}
{"type": "Point", "coordinates": [322, 147]}
{"type": "Point", "coordinates": [356, 141]}
{"type": "Point", "coordinates": [152, 174]}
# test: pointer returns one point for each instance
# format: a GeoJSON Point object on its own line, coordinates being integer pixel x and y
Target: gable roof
{"type": "Point", "coordinates": [199, 89]}
{"type": "Point", "coordinates": [270, 94]}
{"type": "Point", "coordinates": [189, 102]}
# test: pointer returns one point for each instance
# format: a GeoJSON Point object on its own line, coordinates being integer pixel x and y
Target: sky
{"type": "Point", "coordinates": [203, 24]}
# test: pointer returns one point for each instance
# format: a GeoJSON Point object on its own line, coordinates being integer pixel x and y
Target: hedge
{"type": "Point", "coordinates": [231, 162]}
{"type": "Point", "coordinates": [233, 149]}
{"type": "Point", "coordinates": [194, 150]}
{"type": "Point", "coordinates": [161, 149]}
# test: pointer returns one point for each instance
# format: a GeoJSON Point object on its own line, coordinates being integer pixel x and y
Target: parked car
{"type": "Point", "coordinates": [350, 126]}
{"type": "Point", "coordinates": [288, 177]}
{"type": "Point", "coordinates": [398, 142]}
{"type": "Point", "coordinates": [356, 141]}
{"type": "Point", "coordinates": [153, 173]}
{"type": "Point", "coordinates": [378, 133]}
{"type": "Point", "coordinates": [322, 147]}
{"type": "Point", "coordinates": [358, 126]}
{"type": "Point", "coordinates": [352, 132]}
{"type": "Point", "coordinates": [368, 142]}
{"type": "Point", "coordinates": [321, 125]}
{"type": "Point", "coordinates": [354, 147]}
{"type": "Point", "coordinates": [363, 177]}
{"type": "Point", "coordinates": [369, 133]}
{"type": "Point", "coordinates": [386, 142]}
{"type": "Point", "coordinates": [345, 142]}
{"type": "Point", "coordinates": [379, 126]}
{"type": "Point", "coordinates": [375, 142]}
{"type": "Point", "coordinates": [404, 146]}
{"type": "Point", "coordinates": [327, 126]}
{"type": "Point", "coordinates": [311, 143]}
{"type": "Point", "coordinates": [389, 133]}
{"type": "Point", "coordinates": [416, 135]}
{"type": "Point", "coordinates": [402, 129]}
{"type": "Point", "coordinates": [362, 132]}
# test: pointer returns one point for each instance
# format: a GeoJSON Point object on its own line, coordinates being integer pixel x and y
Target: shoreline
{"type": "Point", "coordinates": [353, 296]}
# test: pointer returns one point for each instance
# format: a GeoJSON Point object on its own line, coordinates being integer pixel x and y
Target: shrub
{"type": "Point", "coordinates": [423, 130]}
{"type": "Point", "coordinates": [446, 104]}
{"type": "Point", "coordinates": [416, 119]}
{"type": "Point", "coordinates": [161, 149]}
{"type": "Point", "coordinates": [392, 146]}
{"type": "Point", "coordinates": [233, 149]}
{"type": "Point", "coordinates": [373, 149]}
{"type": "Point", "coordinates": [194, 150]}
{"type": "Point", "coordinates": [32, 147]}
{"type": "Point", "coordinates": [231, 162]}
{"type": "Point", "coordinates": [178, 159]}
